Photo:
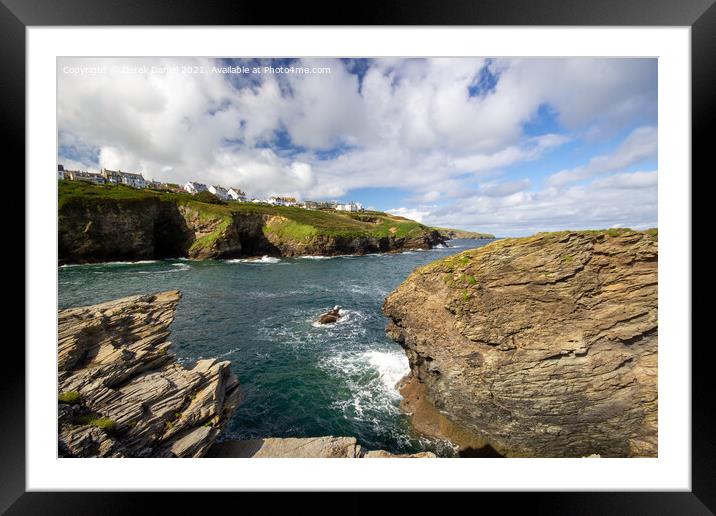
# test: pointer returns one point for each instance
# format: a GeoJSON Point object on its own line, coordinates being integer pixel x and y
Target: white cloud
{"type": "Point", "coordinates": [627, 199]}
{"type": "Point", "coordinates": [640, 145]}
{"type": "Point", "coordinates": [504, 188]}
{"type": "Point", "coordinates": [629, 180]}
{"type": "Point", "coordinates": [417, 214]}
{"type": "Point", "coordinates": [409, 124]}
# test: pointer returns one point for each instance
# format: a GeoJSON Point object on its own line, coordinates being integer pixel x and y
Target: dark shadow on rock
{"type": "Point", "coordinates": [241, 449]}
{"type": "Point", "coordinates": [486, 452]}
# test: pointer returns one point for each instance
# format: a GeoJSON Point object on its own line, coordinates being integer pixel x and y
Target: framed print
{"type": "Point", "coordinates": [433, 238]}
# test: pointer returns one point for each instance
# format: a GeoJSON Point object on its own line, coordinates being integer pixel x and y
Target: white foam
{"type": "Point", "coordinates": [372, 378]}
{"type": "Point", "coordinates": [392, 367]}
{"type": "Point", "coordinates": [317, 257]}
{"type": "Point", "coordinates": [329, 257]}
{"type": "Point", "coordinates": [263, 259]}
{"type": "Point", "coordinates": [105, 264]}
{"type": "Point", "coordinates": [138, 262]}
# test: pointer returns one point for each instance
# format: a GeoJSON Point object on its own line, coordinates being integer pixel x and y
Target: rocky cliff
{"type": "Point", "coordinates": [541, 347]}
{"type": "Point", "coordinates": [108, 223]}
{"type": "Point", "coordinates": [121, 394]}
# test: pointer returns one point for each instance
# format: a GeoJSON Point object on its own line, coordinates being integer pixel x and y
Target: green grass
{"type": "Point", "coordinates": [103, 423]}
{"type": "Point", "coordinates": [287, 229]}
{"type": "Point", "coordinates": [69, 397]}
{"type": "Point", "coordinates": [206, 241]}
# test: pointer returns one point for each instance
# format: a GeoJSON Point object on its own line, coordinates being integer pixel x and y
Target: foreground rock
{"type": "Point", "coordinates": [543, 346]}
{"type": "Point", "coordinates": [123, 395]}
{"type": "Point", "coordinates": [311, 447]}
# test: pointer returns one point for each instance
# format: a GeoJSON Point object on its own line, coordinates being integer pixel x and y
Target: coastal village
{"type": "Point", "coordinates": [137, 180]}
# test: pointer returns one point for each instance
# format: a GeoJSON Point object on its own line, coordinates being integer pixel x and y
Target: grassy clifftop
{"type": "Point", "coordinates": [90, 215]}
{"type": "Point", "coordinates": [300, 222]}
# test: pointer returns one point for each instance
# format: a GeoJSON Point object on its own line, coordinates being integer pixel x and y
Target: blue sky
{"type": "Point", "coordinates": [509, 146]}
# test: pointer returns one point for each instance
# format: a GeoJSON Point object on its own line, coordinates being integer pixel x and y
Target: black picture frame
{"type": "Point", "coordinates": [17, 15]}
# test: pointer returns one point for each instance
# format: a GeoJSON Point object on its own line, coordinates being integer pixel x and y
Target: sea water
{"type": "Point", "coordinates": [298, 378]}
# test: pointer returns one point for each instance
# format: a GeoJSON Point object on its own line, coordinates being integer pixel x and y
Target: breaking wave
{"type": "Point", "coordinates": [107, 264]}
{"type": "Point", "coordinates": [371, 378]}
{"type": "Point", "coordinates": [263, 259]}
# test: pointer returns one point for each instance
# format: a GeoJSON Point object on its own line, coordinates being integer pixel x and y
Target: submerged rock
{"type": "Point", "coordinates": [123, 395]}
{"type": "Point", "coordinates": [331, 316]}
{"type": "Point", "coordinates": [543, 346]}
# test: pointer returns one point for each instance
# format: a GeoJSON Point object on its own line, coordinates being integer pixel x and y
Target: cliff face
{"type": "Point", "coordinates": [123, 395]}
{"type": "Point", "coordinates": [543, 346]}
{"type": "Point", "coordinates": [155, 228]}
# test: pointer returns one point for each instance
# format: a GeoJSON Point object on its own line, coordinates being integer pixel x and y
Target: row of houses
{"type": "Point", "coordinates": [106, 176]}
{"type": "Point", "coordinates": [333, 205]}
{"type": "Point", "coordinates": [236, 194]}
{"type": "Point", "coordinates": [137, 180]}
{"type": "Point", "coordinates": [233, 194]}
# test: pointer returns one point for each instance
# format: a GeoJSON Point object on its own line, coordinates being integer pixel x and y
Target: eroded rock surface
{"type": "Point", "coordinates": [125, 395]}
{"type": "Point", "coordinates": [326, 447]}
{"type": "Point", "coordinates": [543, 346]}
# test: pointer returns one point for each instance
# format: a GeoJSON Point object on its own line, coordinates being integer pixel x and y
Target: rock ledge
{"type": "Point", "coordinates": [123, 395]}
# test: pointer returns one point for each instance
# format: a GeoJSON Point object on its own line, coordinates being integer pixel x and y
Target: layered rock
{"type": "Point", "coordinates": [543, 346]}
{"type": "Point", "coordinates": [123, 395]}
{"type": "Point", "coordinates": [327, 447]}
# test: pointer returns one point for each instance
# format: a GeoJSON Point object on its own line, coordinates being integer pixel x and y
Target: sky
{"type": "Point", "coordinates": [506, 146]}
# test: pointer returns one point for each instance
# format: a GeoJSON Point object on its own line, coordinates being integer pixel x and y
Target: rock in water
{"type": "Point", "coordinates": [123, 395]}
{"type": "Point", "coordinates": [543, 346]}
{"type": "Point", "coordinates": [330, 316]}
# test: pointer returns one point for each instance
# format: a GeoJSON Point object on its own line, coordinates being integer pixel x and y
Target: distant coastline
{"type": "Point", "coordinates": [452, 234]}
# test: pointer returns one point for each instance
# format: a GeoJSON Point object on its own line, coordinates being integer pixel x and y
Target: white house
{"type": "Point", "coordinates": [283, 201]}
{"type": "Point", "coordinates": [219, 191]}
{"type": "Point", "coordinates": [350, 206]}
{"type": "Point", "coordinates": [236, 194]}
{"type": "Point", "coordinates": [194, 188]}
{"type": "Point", "coordinates": [60, 172]}
{"type": "Point", "coordinates": [81, 175]}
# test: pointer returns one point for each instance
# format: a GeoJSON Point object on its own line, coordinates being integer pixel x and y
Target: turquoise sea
{"type": "Point", "coordinates": [298, 379]}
